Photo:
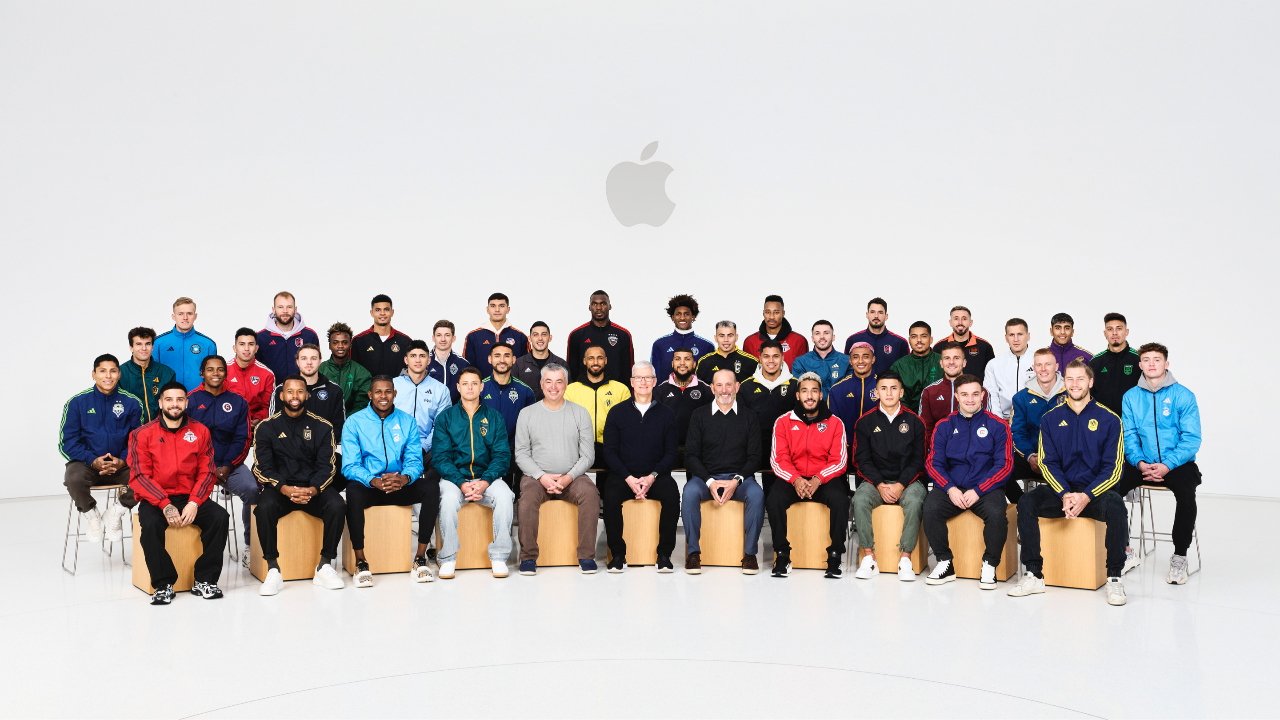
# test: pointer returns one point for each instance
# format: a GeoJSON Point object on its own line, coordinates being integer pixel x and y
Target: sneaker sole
{"type": "Point", "coordinates": [986, 586]}
{"type": "Point", "coordinates": [664, 571]}
{"type": "Point", "coordinates": [1026, 594]}
{"type": "Point", "coordinates": [939, 581]}
{"type": "Point", "coordinates": [693, 571]}
{"type": "Point", "coordinates": [1117, 604]}
{"type": "Point", "coordinates": [442, 576]}
{"type": "Point", "coordinates": [587, 572]}
{"type": "Point", "coordinates": [748, 571]}
{"type": "Point", "coordinates": [499, 575]}
{"type": "Point", "coordinates": [614, 571]}
{"type": "Point", "coordinates": [529, 572]}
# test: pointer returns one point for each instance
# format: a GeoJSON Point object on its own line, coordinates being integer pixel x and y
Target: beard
{"type": "Point", "coordinates": [682, 377]}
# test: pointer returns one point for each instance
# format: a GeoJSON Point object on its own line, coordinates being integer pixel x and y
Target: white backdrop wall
{"type": "Point", "coordinates": [1020, 158]}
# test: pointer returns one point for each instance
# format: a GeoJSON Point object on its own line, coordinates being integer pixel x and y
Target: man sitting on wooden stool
{"type": "Point", "coordinates": [382, 460]}
{"type": "Point", "coordinates": [809, 458]}
{"type": "Point", "coordinates": [722, 454]}
{"type": "Point", "coordinates": [555, 446]}
{"type": "Point", "coordinates": [970, 459]}
{"type": "Point", "coordinates": [294, 462]}
{"type": "Point", "coordinates": [1081, 457]}
{"type": "Point", "coordinates": [640, 450]}
{"type": "Point", "coordinates": [470, 451]}
{"type": "Point", "coordinates": [888, 457]}
{"type": "Point", "coordinates": [171, 466]}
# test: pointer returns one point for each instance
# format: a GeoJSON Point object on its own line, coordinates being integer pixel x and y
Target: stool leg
{"type": "Point", "coordinates": [66, 542]}
{"type": "Point", "coordinates": [233, 539]}
{"type": "Point", "coordinates": [108, 547]}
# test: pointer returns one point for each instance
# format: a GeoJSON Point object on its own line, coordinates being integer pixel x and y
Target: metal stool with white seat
{"type": "Point", "coordinates": [1141, 497]}
{"type": "Point", "coordinates": [108, 546]}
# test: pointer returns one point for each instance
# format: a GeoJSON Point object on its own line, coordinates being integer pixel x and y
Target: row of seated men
{"type": "Point", "coordinates": [720, 464]}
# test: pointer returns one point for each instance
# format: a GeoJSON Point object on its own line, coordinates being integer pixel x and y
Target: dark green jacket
{"type": "Point", "coordinates": [468, 448]}
{"type": "Point", "coordinates": [146, 385]}
{"type": "Point", "coordinates": [917, 373]}
{"type": "Point", "coordinates": [354, 380]}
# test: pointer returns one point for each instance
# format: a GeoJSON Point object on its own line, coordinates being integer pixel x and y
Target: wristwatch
{"type": "Point", "coordinates": [738, 479]}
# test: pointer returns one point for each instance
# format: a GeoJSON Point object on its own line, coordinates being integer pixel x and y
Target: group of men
{"type": "Point", "coordinates": [389, 420]}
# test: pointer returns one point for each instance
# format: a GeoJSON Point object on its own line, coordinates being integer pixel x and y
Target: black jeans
{"type": "Point", "coordinates": [1044, 502]}
{"type": "Point", "coordinates": [1182, 481]}
{"type": "Point", "coordinates": [212, 520]}
{"type": "Point", "coordinates": [938, 509]}
{"type": "Point", "coordinates": [421, 490]}
{"type": "Point", "coordinates": [616, 491]}
{"type": "Point", "coordinates": [273, 505]}
{"type": "Point", "coordinates": [834, 494]}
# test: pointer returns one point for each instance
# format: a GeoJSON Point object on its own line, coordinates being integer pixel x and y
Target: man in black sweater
{"type": "Point", "coordinates": [722, 454]}
{"type": "Point", "coordinates": [683, 392]}
{"type": "Point", "coordinates": [640, 450]}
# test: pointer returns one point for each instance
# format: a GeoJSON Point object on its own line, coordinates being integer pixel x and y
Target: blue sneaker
{"type": "Point", "coordinates": [587, 566]}
{"type": "Point", "coordinates": [528, 567]}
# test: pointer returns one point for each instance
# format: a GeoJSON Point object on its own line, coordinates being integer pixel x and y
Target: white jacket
{"type": "Point", "coordinates": [1006, 375]}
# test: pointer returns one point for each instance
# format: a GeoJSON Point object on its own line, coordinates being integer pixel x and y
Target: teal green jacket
{"type": "Point", "coordinates": [354, 380]}
{"type": "Point", "coordinates": [917, 373]}
{"type": "Point", "coordinates": [465, 448]}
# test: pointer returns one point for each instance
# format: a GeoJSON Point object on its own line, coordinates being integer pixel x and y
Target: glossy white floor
{"type": "Point", "coordinates": [641, 644]}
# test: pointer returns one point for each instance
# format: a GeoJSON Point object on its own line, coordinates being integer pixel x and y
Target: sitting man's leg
{"type": "Point", "coordinates": [583, 493]}
{"type": "Point", "coordinates": [696, 492]}
{"type": "Point", "coordinates": [782, 495]}
{"type": "Point", "coordinates": [1038, 503]}
{"type": "Point", "coordinates": [865, 500]}
{"type": "Point", "coordinates": [153, 524]}
{"type": "Point", "coordinates": [212, 519]}
{"type": "Point", "coordinates": [532, 495]}
{"type": "Point", "coordinates": [752, 497]}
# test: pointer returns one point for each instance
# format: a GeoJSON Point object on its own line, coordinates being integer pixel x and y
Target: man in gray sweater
{"type": "Point", "coordinates": [554, 448]}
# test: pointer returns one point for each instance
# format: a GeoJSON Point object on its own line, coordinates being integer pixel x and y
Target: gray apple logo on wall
{"type": "Point", "coordinates": [637, 192]}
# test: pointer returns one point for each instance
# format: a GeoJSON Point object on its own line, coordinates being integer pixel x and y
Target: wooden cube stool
{"type": "Point", "coordinates": [299, 537]}
{"type": "Point", "coordinates": [640, 531]}
{"type": "Point", "coordinates": [557, 534]}
{"type": "Point", "coordinates": [886, 525]}
{"type": "Point", "coordinates": [723, 528]}
{"type": "Point", "coordinates": [1074, 551]}
{"type": "Point", "coordinates": [475, 532]}
{"type": "Point", "coordinates": [809, 532]}
{"type": "Point", "coordinates": [184, 548]}
{"type": "Point", "coordinates": [389, 541]}
{"type": "Point", "coordinates": [964, 532]}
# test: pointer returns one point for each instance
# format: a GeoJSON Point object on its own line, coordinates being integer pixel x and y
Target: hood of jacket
{"type": "Point", "coordinates": [298, 325]}
{"type": "Point", "coordinates": [1169, 381]}
{"type": "Point", "coordinates": [783, 378]}
{"type": "Point", "coordinates": [824, 412]}
{"type": "Point", "coordinates": [1058, 386]}
{"type": "Point", "coordinates": [784, 330]}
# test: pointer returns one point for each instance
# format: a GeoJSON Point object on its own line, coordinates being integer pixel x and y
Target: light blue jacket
{"type": "Point", "coordinates": [183, 352]}
{"type": "Point", "coordinates": [1161, 426]}
{"type": "Point", "coordinates": [373, 445]}
{"type": "Point", "coordinates": [423, 401]}
{"type": "Point", "coordinates": [831, 368]}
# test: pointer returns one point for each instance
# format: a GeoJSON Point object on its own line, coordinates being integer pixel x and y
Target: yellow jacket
{"type": "Point", "coordinates": [597, 399]}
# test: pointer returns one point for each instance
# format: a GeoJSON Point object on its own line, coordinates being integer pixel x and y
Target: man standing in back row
{"type": "Point", "coordinates": [775, 327]}
{"type": "Point", "coordinates": [603, 333]}
{"type": "Point", "coordinates": [381, 348]}
{"type": "Point", "coordinates": [183, 347]}
{"type": "Point", "coordinates": [887, 345]}
{"type": "Point", "coordinates": [284, 333]}
{"type": "Point", "coordinates": [478, 343]}
{"type": "Point", "coordinates": [1115, 370]}
{"type": "Point", "coordinates": [528, 367]}
{"type": "Point", "coordinates": [683, 311]}
{"type": "Point", "coordinates": [977, 352]}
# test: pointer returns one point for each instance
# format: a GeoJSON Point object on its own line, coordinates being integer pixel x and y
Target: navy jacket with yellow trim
{"type": "Point", "coordinates": [1081, 452]}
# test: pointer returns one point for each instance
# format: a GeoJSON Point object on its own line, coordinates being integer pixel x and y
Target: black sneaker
{"type": "Point", "coordinates": [163, 595]}
{"type": "Point", "coordinates": [782, 565]}
{"type": "Point", "coordinates": [206, 590]}
{"type": "Point", "coordinates": [834, 571]}
{"type": "Point", "coordinates": [664, 564]}
{"type": "Point", "coordinates": [431, 555]}
{"type": "Point", "coordinates": [616, 565]}
{"type": "Point", "coordinates": [943, 572]}
{"type": "Point", "coordinates": [363, 565]}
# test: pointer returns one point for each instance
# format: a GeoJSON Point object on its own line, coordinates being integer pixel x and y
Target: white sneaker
{"type": "Point", "coordinates": [94, 531]}
{"type": "Point", "coordinates": [988, 580]}
{"type": "Point", "coordinates": [943, 572]}
{"type": "Point", "coordinates": [1115, 592]}
{"type": "Point", "coordinates": [1028, 585]}
{"type": "Point", "coordinates": [273, 583]}
{"type": "Point", "coordinates": [328, 578]}
{"type": "Point", "coordinates": [906, 572]}
{"type": "Point", "coordinates": [364, 579]}
{"type": "Point", "coordinates": [421, 572]}
{"type": "Point", "coordinates": [1177, 570]}
{"type": "Point", "coordinates": [867, 568]}
{"type": "Point", "coordinates": [499, 568]}
{"type": "Point", "coordinates": [113, 522]}
{"type": "Point", "coordinates": [1131, 561]}
{"type": "Point", "coordinates": [448, 568]}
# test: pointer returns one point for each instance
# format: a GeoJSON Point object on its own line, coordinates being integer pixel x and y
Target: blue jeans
{"type": "Point", "coordinates": [498, 497]}
{"type": "Point", "coordinates": [749, 492]}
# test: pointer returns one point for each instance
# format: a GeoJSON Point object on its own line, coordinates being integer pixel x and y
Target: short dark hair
{"type": "Point", "coordinates": [816, 323]}
{"type": "Point", "coordinates": [246, 331]}
{"type": "Point", "coordinates": [766, 344]}
{"type": "Point", "coordinates": [890, 375]}
{"type": "Point", "coordinates": [338, 328]}
{"type": "Point", "coordinates": [145, 333]}
{"type": "Point", "coordinates": [470, 370]}
{"type": "Point", "coordinates": [381, 298]}
{"type": "Point", "coordinates": [207, 358]}
{"type": "Point", "coordinates": [920, 323]}
{"type": "Point", "coordinates": [682, 300]}
{"type": "Point", "coordinates": [294, 376]}
{"type": "Point", "coordinates": [600, 292]}
{"type": "Point", "coordinates": [308, 346]}
{"type": "Point", "coordinates": [774, 298]}
{"type": "Point", "coordinates": [537, 324]}
{"type": "Point", "coordinates": [1111, 316]}
{"type": "Point", "coordinates": [950, 345]}
{"type": "Point", "coordinates": [105, 357]}
{"type": "Point", "coordinates": [1079, 363]}
{"type": "Point", "coordinates": [501, 345]}
{"type": "Point", "coordinates": [498, 296]}
{"type": "Point", "coordinates": [1015, 321]}
{"type": "Point", "coordinates": [960, 307]}
{"type": "Point", "coordinates": [688, 350]}
{"type": "Point", "coordinates": [173, 385]}
{"type": "Point", "coordinates": [879, 301]}
{"type": "Point", "coordinates": [417, 345]}
{"type": "Point", "coordinates": [1062, 318]}
{"type": "Point", "coordinates": [378, 378]}
{"type": "Point", "coordinates": [1154, 347]}
{"type": "Point", "coordinates": [965, 379]}
{"type": "Point", "coordinates": [444, 324]}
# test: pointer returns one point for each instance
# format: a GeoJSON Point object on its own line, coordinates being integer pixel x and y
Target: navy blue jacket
{"type": "Point", "coordinates": [664, 348]}
{"type": "Point", "coordinates": [636, 444]}
{"type": "Point", "coordinates": [478, 342]}
{"type": "Point", "coordinates": [508, 400]}
{"type": "Point", "coordinates": [94, 424]}
{"type": "Point", "coordinates": [447, 372]}
{"type": "Point", "coordinates": [227, 417]}
{"type": "Point", "coordinates": [888, 347]}
{"type": "Point", "coordinates": [971, 453]}
{"type": "Point", "coordinates": [280, 353]}
{"type": "Point", "coordinates": [851, 398]}
{"type": "Point", "coordinates": [1081, 453]}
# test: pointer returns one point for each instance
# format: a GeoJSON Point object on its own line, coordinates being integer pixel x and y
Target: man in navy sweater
{"type": "Point", "coordinates": [283, 335]}
{"type": "Point", "coordinates": [1081, 457]}
{"type": "Point", "coordinates": [887, 345]}
{"type": "Point", "coordinates": [226, 414]}
{"type": "Point", "coordinates": [640, 450]}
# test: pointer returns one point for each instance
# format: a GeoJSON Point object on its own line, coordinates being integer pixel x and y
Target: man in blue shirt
{"type": "Point", "coordinates": [183, 348]}
{"type": "Point", "coordinates": [823, 360]}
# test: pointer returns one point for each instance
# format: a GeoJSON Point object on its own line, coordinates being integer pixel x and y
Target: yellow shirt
{"type": "Point", "coordinates": [597, 401]}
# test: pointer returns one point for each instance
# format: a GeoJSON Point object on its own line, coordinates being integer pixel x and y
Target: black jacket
{"type": "Point", "coordinates": [326, 401]}
{"type": "Point", "coordinates": [528, 370]}
{"type": "Point", "coordinates": [768, 405]}
{"type": "Point", "coordinates": [378, 356]}
{"type": "Point", "coordinates": [741, 363]}
{"type": "Point", "coordinates": [616, 341]}
{"type": "Point", "coordinates": [294, 451]}
{"type": "Point", "coordinates": [721, 443]}
{"type": "Point", "coordinates": [1114, 374]}
{"type": "Point", "coordinates": [683, 401]}
{"type": "Point", "coordinates": [889, 451]}
{"type": "Point", "coordinates": [636, 444]}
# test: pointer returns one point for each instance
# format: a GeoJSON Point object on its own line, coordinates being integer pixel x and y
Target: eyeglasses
{"type": "Point", "coordinates": [645, 378]}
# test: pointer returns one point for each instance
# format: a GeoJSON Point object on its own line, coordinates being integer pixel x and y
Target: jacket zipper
{"type": "Point", "coordinates": [1155, 421]}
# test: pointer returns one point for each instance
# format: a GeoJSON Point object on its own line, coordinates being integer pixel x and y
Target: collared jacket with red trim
{"type": "Point", "coordinates": [477, 344]}
{"type": "Point", "coordinates": [977, 353]}
{"type": "Point", "coordinates": [256, 384]}
{"type": "Point", "coordinates": [167, 461]}
{"type": "Point", "coordinates": [618, 350]}
{"type": "Point", "coordinates": [889, 450]}
{"type": "Point", "coordinates": [227, 417]}
{"type": "Point", "coordinates": [809, 446]}
{"type": "Point", "coordinates": [378, 356]}
{"type": "Point", "coordinates": [971, 452]}
{"type": "Point", "coordinates": [793, 343]}
{"type": "Point", "coordinates": [278, 349]}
